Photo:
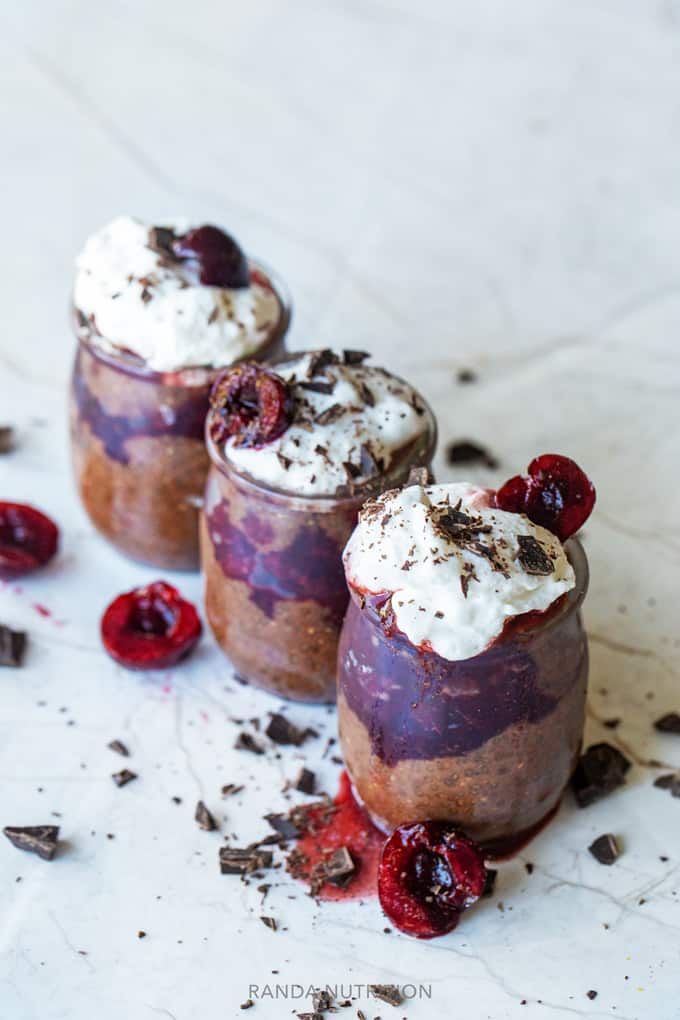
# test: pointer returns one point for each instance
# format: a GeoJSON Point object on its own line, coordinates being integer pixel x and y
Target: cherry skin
{"type": "Point", "coordinates": [429, 873]}
{"type": "Point", "coordinates": [28, 539]}
{"type": "Point", "coordinates": [556, 494]}
{"type": "Point", "coordinates": [214, 257]}
{"type": "Point", "coordinates": [150, 628]}
{"type": "Point", "coordinates": [251, 404]}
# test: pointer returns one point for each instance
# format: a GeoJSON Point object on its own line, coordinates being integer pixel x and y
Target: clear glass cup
{"type": "Point", "coordinates": [275, 590]}
{"type": "Point", "coordinates": [137, 443]}
{"type": "Point", "coordinates": [488, 742]}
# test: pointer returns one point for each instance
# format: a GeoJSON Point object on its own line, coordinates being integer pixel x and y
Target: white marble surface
{"type": "Point", "coordinates": [486, 185]}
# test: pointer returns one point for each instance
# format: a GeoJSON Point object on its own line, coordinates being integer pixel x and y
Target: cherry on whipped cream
{"type": "Point", "coordinates": [28, 539]}
{"type": "Point", "coordinates": [555, 494]}
{"type": "Point", "coordinates": [251, 404]}
{"type": "Point", "coordinates": [429, 873]}
{"type": "Point", "coordinates": [214, 256]}
{"type": "Point", "coordinates": [150, 628]}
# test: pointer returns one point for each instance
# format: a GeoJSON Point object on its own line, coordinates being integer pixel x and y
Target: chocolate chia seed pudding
{"type": "Point", "coordinates": [158, 313]}
{"type": "Point", "coordinates": [462, 663]}
{"type": "Point", "coordinates": [294, 454]}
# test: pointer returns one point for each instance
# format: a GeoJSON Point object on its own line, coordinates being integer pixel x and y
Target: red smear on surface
{"type": "Point", "coordinates": [42, 610]}
{"type": "Point", "coordinates": [348, 826]}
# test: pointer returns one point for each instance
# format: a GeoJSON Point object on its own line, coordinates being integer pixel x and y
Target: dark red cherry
{"type": "Point", "coordinates": [556, 494]}
{"type": "Point", "coordinates": [251, 404]}
{"type": "Point", "coordinates": [214, 256]}
{"type": "Point", "coordinates": [28, 539]}
{"type": "Point", "coordinates": [150, 628]}
{"type": "Point", "coordinates": [429, 873]}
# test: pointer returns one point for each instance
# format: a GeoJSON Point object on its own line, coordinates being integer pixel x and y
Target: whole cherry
{"type": "Point", "coordinates": [555, 494]}
{"type": "Point", "coordinates": [150, 628]}
{"type": "Point", "coordinates": [251, 404]}
{"type": "Point", "coordinates": [214, 257]}
{"type": "Point", "coordinates": [28, 539]}
{"type": "Point", "coordinates": [429, 873]}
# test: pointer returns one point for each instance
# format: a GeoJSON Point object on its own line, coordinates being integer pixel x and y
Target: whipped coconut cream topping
{"type": "Point", "coordinates": [351, 421]}
{"type": "Point", "coordinates": [456, 567]}
{"type": "Point", "coordinates": [129, 298]}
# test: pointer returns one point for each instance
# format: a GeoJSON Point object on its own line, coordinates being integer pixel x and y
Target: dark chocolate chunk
{"type": "Point", "coordinates": [599, 771]}
{"type": "Point", "coordinates": [592, 994]}
{"type": "Point", "coordinates": [466, 375]}
{"type": "Point", "coordinates": [330, 415]}
{"type": "Point", "coordinates": [282, 731]}
{"type": "Point", "coordinates": [119, 747]}
{"type": "Point", "coordinates": [34, 839]}
{"type": "Point", "coordinates": [246, 742]}
{"type": "Point", "coordinates": [464, 451]}
{"type": "Point", "coordinates": [387, 993]}
{"type": "Point", "coordinates": [284, 825]}
{"type": "Point", "coordinates": [318, 386]}
{"type": "Point", "coordinates": [418, 476]}
{"type": "Point", "coordinates": [605, 849]}
{"type": "Point", "coordinates": [339, 869]}
{"type": "Point", "coordinates": [669, 723]}
{"type": "Point", "coordinates": [306, 781]}
{"type": "Point", "coordinates": [671, 782]}
{"type": "Point", "coordinates": [244, 862]}
{"type": "Point", "coordinates": [123, 777]}
{"type": "Point", "coordinates": [6, 439]}
{"type": "Point", "coordinates": [269, 922]}
{"type": "Point", "coordinates": [354, 357]}
{"type": "Point", "coordinates": [12, 646]}
{"type": "Point", "coordinates": [532, 556]}
{"type": "Point", "coordinates": [204, 818]}
{"type": "Point", "coordinates": [490, 881]}
{"type": "Point", "coordinates": [321, 1000]}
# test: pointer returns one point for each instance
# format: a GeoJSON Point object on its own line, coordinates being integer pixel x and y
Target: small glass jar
{"type": "Point", "coordinates": [275, 590]}
{"type": "Point", "coordinates": [137, 442]}
{"type": "Point", "coordinates": [488, 742]}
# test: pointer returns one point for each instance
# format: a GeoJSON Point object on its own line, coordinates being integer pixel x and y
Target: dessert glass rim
{"type": "Point", "coordinates": [541, 622]}
{"type": "Point", "coordinates": [133, 364]}
{"type": "Point", "coordinates": [326, 501]}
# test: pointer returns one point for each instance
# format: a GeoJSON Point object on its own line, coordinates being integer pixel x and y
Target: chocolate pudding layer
{"type": "Point", "coordinates": [487, 741]}
{"type": "Point", "coordinates": [138, 399]}
{"type": "Point", "coordinates": [275, 586]}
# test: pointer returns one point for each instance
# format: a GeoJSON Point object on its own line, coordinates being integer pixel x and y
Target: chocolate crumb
{"type": "Point", "coordinates": [605, 849]}
{"type": "Point", "coordinates": [330, 415]}
{"type": "Point", "coordinates": [243, 862]}
{"type": "Point", "coordinates": [529, 868]}
{"type": "Point", "coordinates": [204, 818]}
{"type": "Point", "coordinates": [268, 922]}
{"type": "Point", "coordinates": [671, 782]}
{"type": "Point", "coordinates": [123, 777]}
{"type": "Point", "coordinates": [6, 439]}
{"type": "Point", "coordinates": [248, 1004]}
{"type": "Point", "coordinates": [669, 723]}
{"type": "Point", "coordinates": [490, 882]}
{"type": "Point", "coordinates": [367, 395]}
{"type": "Point", "coordinates": [246, 742]}
{"type": "Point", "coordinates": [141, 934]}
{"type": "Point", "coordinates": [230, 789]}
{"type": "Point", "coordinates": [321, 1000]}
{"type": "Point", "coordinates": [318, 386]}
{"type": "Point", "coordinates": [119, 747]}
{"type": "Point", "coordinates": [466, 375]}
{"type": "Point", "coordinates": [34, 839]}
{"type": "Point", "coordinates": [600, 771]}
{"type": "Point", "coordinates": [306, 781]}
{"type": "Point", "coordinates": [282, 731]}
{"type": "Point", "coordinates": [354, 357]}
{"type": "Point", "coordinates": [533, 557]}
{"type": "Point", "coordinates": [387, 993]}
{"type": "Point", "coordinates": [465, 451]}
{"type": "Point", "coordinates": [160, 240]}
{"type": "Point", "coordinates": [12, 646]}
{"type": "Point", "coordinates": [592, 994]}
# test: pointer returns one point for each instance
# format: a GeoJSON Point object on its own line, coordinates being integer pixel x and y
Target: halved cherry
{"type": "Point", "coordinates": [150, 628]}
{"type": "Point", "coordinates": [556, 494]}
{"type": "Point", "coordinates": [214, 255]}
{"type": "Point", "coordinates": [28, 539]}
{"type": "Point", "coordinates": [250, 403]}
{"type": "Point", "coordinates": [429, 873]}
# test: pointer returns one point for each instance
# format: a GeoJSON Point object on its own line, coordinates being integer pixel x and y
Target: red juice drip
{"type": "Point", "coordinates": [351, 827]}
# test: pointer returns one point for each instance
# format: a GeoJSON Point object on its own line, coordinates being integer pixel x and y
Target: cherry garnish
{"type": "Point", "coordinates": [150, 628]}
{"type": "Point", "coordinates": [429, 873]}
{"type": "Point", "coordinates": [251, 404]}
{"type": "Point", "coordinates": [214, 256]}
{"type": "Point", "coordinates": [556, 494]}
{"type": "Point", "coordinates": [28, 539]}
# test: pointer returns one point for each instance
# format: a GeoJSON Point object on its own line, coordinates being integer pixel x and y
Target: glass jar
{"type": "Point", "coordinates": [137, 442]}
{"type": "Point", "coordinates": [488, 742]}
{"type": "Point", "coordinates": [275, 590]}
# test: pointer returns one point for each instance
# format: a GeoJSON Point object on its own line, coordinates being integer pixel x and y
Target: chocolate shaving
{"type": "Point", "coordinates": [320, 360]}
{"type": "Point", "coordinates": [34, 839]}
{"type": "Point", "coordinates": [464, 451]}
{"type": "Point", "coordinates": [246, 742]}
{"type": "Point", "coordinates": [306, 781]}
{"type": "Point", "coordinates": [12, 646]}
{"type": "Point", "coordinates": [230, 789]}
{"type": "Point", "coordinates": [318, 387]}
{"type": "Point", "coordinates": [214, 315]}
{"type": "Point", "coordinates": [670, 781]}
{"type": "Point", "coordinates": [248, 1004]}
{"type": "Point", "coordinates": [418, 476]}
{"type": "Point", "coordinates": [669, 723]}
{"type": "Point", "coordinates": [387, 993]}
{"type": "Point", "coordinates": [243, 862]}
{"type": "Point", "coordinates": [268, 922]}
{"type": "Point", "coordinates": [119, 747]}
{"type": "Point", "coordinates": [284, 461]}
{"type": "Point", "coordinates": [605, 849]}
{"type": "Point", "coordinates": [600, 771]}
{"type": "Point", "coordinates": [123, 777]}
{"type": "Point", "coordinates": [366, 394]}
{"type": "Point", "coordinates": [6, 439]}
{"type": "Point", "coordinates": [160, 240]}
{"type": "Point", "coordinates": [282, 731]}
{"type": "Point", "coordinates": [351, 470]}
{"type": "Point", "coordinates": [533, 557]}
{"type": "Point", "coordinates": [354, 357]}
{"type": "Point", "coordinates": [204, 818]}
{"type": "Point", "coordinates": [330, 415]}
{"type": "Point", "coordinates": [146, 295]}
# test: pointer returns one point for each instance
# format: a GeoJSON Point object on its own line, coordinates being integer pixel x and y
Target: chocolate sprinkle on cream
{"type": "Point", "coordinates": [34, 839]}
{"type": "Point", "coordinates": [330, 415]}
{"type": "Point", "coordinates": [533, 556]}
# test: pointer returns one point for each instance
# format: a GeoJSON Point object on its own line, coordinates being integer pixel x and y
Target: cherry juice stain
{"type": "Point", "coordinates": [348, 826]}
